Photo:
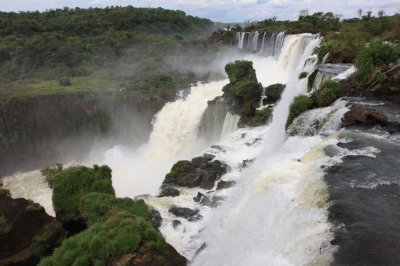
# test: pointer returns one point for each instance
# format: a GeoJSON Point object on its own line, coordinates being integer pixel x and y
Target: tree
{"type": "Point", "coordinates": [360, 12]}
{"type": "Point", "coordinates": [303, 13]}
{"type": "Point", "coordinates": [381, 13]}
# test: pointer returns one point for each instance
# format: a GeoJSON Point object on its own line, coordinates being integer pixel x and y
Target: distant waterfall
{"type": "Point", "coordinates": [270, 44]}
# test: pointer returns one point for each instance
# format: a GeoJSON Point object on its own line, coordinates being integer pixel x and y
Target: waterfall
{"type": "Point", "coordinates": [271, 43]}
{"type": "Point", "coordinates": [174, 137]}
{"type": "Point", "coordinates": [276, 214]}
{"type": "Point", "coordinates": [319, 79]}
{"type": "Point", "coordinates": [230, 124]}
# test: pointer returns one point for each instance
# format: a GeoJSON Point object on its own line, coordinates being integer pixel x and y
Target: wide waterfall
{"type": "Point", "coordinates": [270, 44]}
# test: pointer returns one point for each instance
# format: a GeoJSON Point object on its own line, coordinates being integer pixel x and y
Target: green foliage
{"type": "Point", "coordinates": [259, 118]}
{"type": "Point", "coordinates": [50, 171]}
{"type": "Point", "coordinates": [33, 207]}
{"type": "Point", "coordinates": [248, 90]}
{"type": "Point", "coordinates": [327, 93]}
{"type": "Point", "coordinates": [5, 228]}
{"type": "Point", "coordinates": [274, 92]}
{"type": "Point", "coordinates": [303, 75]}
{"type": "Point", "coordinates": [240, 70]}
{"type": "Point", "coordinates": [120, 234]}
{"type": "Point", "coordinates": [72, 183]}
{"type": "Point", "coordinates": [179, 168]}
{"type": "Point", "coordinates": [43, 244]}
{"type": "Point", "coordinates": [325, 48]}
{"type": "Point", "coordinates": [98, 207]}
{"type": "Point", "coordinates": [300, 104]}
{"type": "Point", "coordinates": [372, 58]}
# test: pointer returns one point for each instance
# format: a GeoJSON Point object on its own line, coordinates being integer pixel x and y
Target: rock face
{"type": "Point", "coordinates": [189, 214]}
{"type": "Point", "coordinates": [27, 233]}
{"type": "Point", "coordinates": [199, 172]}
{"type": "Point", "coordinates": [364, 116]}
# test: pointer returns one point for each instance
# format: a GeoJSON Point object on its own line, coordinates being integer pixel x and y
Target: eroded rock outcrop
{"type": "Point", "coordinates": [200, 172]}
{"type": "Point", "coordinates": [27, 233]}
{"type": "Point", "coordinates": [364, 116]}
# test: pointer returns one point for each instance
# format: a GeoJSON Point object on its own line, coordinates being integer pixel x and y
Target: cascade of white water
{"type": "Point", "coordinates": [174, 137]}
{"type": "Point", "coordinates": [263, 42]}
{"type": "Point", "coordinates": [230, 124]}
{"type": "Point", "coordinates": [276, 213]}
{"type": "Point", "coordinates": [254, 41]}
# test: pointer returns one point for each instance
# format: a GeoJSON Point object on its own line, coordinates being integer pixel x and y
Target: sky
{"type": "Point", "coordinates": [222, 10]}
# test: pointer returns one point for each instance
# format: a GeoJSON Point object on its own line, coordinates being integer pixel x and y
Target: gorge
{"type": "Point", "coordinates": [300, 172]}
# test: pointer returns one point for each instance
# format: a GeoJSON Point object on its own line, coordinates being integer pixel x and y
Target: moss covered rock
{"type": "Point", "coordinates": [327, 93]}
{"type": "Point", "coordinates": [273, 93]}
{"type": "Point", "coordinates": [255, 119]}
{"type": "Point", "coordinates": [300, 104]}
{"type": "Point", "coordinates": [199, 172]}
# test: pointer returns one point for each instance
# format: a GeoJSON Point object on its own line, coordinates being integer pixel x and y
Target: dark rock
{"type": "Point", "coordinates": [225, 184]}
{"type": "Point", "coordinates": [335, 57]}
{"type": "Point", "coordinates": [155, 218]}
{"type": "Point", "coordinates": [199, 172]}
{"type": "Point", "coordinates": [364, 116]}
{"type": "Point", "coordinates": [189, 214]}
{"type": "Point", "coordinates": [27, 233]}
{"type": "Point", "coordinates": [169, 192]}
{"type": "Point", "coordinates": [198, 197]}
{"type": "Point", "coordinates": [209, 157]}
{"type": "Point", "coordinates": [176, 223]}
{"type": "Point", "coordinates": [65, 82]}
{"type": "Point", "coordinates": [212, 202]}
{"type": "Point", "coordinates": [393, 127]}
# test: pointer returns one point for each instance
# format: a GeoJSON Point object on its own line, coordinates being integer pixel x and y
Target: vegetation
{"type": "Point", "coordinates": [274, 93]}
{"type": "Point", "coordinates": [311, 79]}
{"type": "Point", "coordinates": [71, 184]}
{"type": "Point", "coordinates": [259, 118]}
{"type": "Point", "coordinates": [98, 207]}
{"type": "Point", "coordinates": [300, 104]}
{"type": "Point", "coordinates": [116, 226]}
{"type": "Point", "coordinates": [373, 59]}
{"type": "Point", "coordinates": [327, 93]}
{"type": "Point", "coordinates": [97, 49]}
{"type": "Point", "coordinates": [121, 234]}
{"type": "Point", "coordinates": [243, 93]}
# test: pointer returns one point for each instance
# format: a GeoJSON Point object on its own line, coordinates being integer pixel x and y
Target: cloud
{"type": "Point", "coordinates": [222, 10]}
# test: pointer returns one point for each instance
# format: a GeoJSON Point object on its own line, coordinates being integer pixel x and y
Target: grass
{"type": "Point", "coordinates": [300, 104]}
{"type": "Point", "coordinates": [327, 93]}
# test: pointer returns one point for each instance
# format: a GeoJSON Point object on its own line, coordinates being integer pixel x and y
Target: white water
{"type": "Point", "coordinates": [30, 185]}
{"type": "Point", "coordinates": [174, 137]}
{"type": "Point", "coordinates": [276, 214]}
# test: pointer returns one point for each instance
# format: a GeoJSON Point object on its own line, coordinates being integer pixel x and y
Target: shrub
{"type": "Point", "coordinates": [300, 104]}
{"type": "Point", "coordinates": [240, 70]}
{"type": "Point", "coordinates": [50, 171]}
{"type": "Point", "coordinates": [274, 92]}
{"type": "Point", "coordinates": [121, 234]}
{"type": "Point", "coordinates": [327, 93]}
{"type": "Point", "coordinates": [248, 90]}
{"type": "Point", "coordinates": [72, 183]}
{"type": "Point", "coordinates": [98, 207]}
{"type": "Point", "coordinates": [370, 59]}
{"type": "Point", "coordinates": [259, 118]}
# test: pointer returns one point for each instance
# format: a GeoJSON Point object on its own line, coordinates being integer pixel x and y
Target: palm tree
{"type": "Point", "coordinates": [360, 12]}
{"type": "Point", "coordinates": [381, 13]}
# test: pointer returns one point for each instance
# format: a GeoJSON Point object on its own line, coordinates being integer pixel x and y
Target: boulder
{"type": "Point", "coordinates": [273, 93]}
{"type": "Point", "coordinates": [27, 233]}
{"type": "Point", "coordinates": [189, 214]}
{"type": "Point", "coordinates": [155, 218]}
{"type": "Point", "coordinates": [199, 172]}
{"type": "Point", "coordinates": [169, 192]}
{"type": "Point", "coordinates": [225, 184]}
{"type": "Point", "coordinates": [204, 200]}
{"type": "Point", "coordinates": [364, 116]}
